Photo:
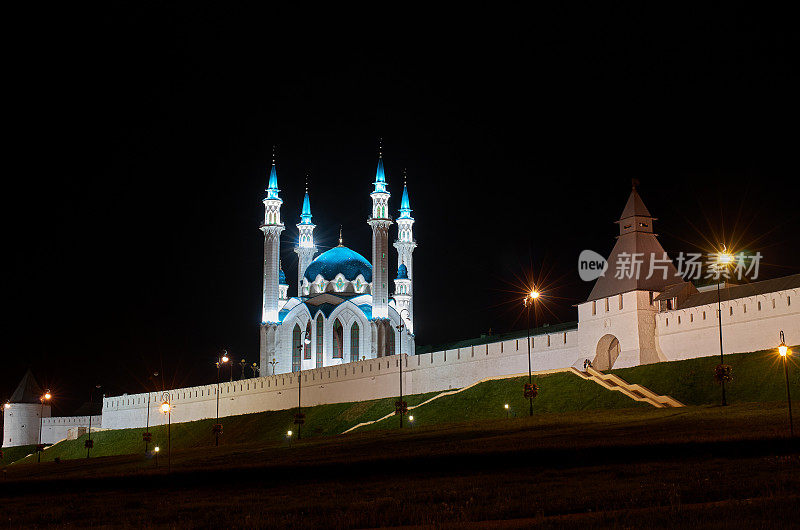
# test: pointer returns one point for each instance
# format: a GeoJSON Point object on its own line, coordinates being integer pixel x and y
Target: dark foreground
{"type": "Point", "coordinates": [696, 467]}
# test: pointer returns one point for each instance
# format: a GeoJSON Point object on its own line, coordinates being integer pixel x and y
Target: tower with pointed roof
{"type": "Point", "coordinates": [617, 321]}
{"type": "Point", "coordinates": [405, 245]}
{"type": "Point", "coordinates": [380, 221]}
{"type": "Point", "coordinates": [22, 413]}
{"type": "Point", "coordinates": [272, 228]}
{"type": "Point", "coordinates": [305, 249]}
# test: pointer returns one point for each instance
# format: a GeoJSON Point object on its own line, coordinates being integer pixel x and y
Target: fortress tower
{"type": "Point", "coordinates": [272, 228]}
{"type": "Point", "coordinates": [405, 245]}
{"type": "Point", "coordinates": [305, 248]}
{"type": "Point", "coordinates": [23, 412]}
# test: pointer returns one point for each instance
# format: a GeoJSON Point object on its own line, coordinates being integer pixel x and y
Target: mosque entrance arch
{"type": "Point", "coordinates": [606, 353]}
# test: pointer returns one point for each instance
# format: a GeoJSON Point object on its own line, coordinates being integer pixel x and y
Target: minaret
{"type": "Point", "coordinates": [380, 221]}
{"type": "Point", "coordinates": [305, 248]}
{"type": "Point", "coordinates": [272, 229]}
{"type": "Point", "coordinates": [405, 246]}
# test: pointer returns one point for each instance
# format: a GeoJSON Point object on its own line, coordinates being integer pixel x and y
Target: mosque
{"type": "Point", "coordinates": [343, 312]}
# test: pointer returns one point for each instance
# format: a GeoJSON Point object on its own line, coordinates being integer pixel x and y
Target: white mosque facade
{"type": "Point", "coordinates": [343, 312]}
{"type": "Point", "coordinates": [343, 338]}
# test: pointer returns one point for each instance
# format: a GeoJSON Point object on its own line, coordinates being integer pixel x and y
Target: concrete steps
{"type": "Point", "coordinates": [633, 391]}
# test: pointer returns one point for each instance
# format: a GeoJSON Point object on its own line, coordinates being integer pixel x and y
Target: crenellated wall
{"type": "Point", "coordinates": [362, 380]}
{"type": "Point", "coordinates": [748, 324]}
{"type": "Point", "coordinates": [57, 428]}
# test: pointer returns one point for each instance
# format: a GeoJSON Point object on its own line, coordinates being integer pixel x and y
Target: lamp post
{"type": "Point", "coordinates": [243, 363]}
{"type": "Point", "coordinates": [400, 407]}
{"type": "Point", "coordinates": [166, 408]}
{"type": "Point", "coordinates": [300, 418]}
{"type": "Point", "coordinates": [256, 370]}
{"type": "Point", "coordinates": [89, 443]}
{"type": "Point", "coordinates": [273, 362]}
{"type": "Point", "coordinates": [723, 260]}
{"type": "Point", "coordinates": [530, 301]}
{"type": "Point", "coordinates": [506, 407]}
{"type": "Point", "coordinates": [146, 436]}
{"type": "Point", "coordinates": [785, 352]}
{"type": "Point", "coordinates": [223, 358]}
{"type": "Point", "coordinates": [45, 398]}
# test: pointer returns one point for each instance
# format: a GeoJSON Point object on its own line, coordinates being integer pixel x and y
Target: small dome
{"type": "Point", "coordinates": [402, 272]}
{"type": "Point", "coordinates": [339, 260]}
{"type": "Point", "coordinates": [282, 277]}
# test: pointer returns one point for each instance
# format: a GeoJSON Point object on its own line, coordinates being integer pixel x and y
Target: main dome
{"type": "Point", "coordinates": [339, 260]}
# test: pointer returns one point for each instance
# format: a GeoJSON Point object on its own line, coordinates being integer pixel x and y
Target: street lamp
{"type": "Point", "coordinates": [166, 408]}
{"type": "Point", "coordinates": [300, 418]}
{"type": "Point", "coordinates": [273, 362]}
{"type": "Point", "coordinates": [146, 436]}
{"type": "Point", "coordinates": [45, 398]}
{"type": "Point", "coordinates": [89, 443]}
{"type": "Point", "coordinates": [401, 407]}
{"type": "Point", "coordinates": [785, 352]}
{"type": "Point", "coordinates": [724, 259]}
{"type": "Point", "coordinates": [217, 425]}
{"type": "Point", "coordinates": [506, 407]}
{"type": "Point", "coordinates": [530, 302]}
{"type": "Point", "coordinates": [243, 363]}
{"type": "Point", "coordinates": [256, 370]}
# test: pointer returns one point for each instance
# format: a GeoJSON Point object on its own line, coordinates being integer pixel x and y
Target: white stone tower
{"type": "Point", "coordinates": [272, 229]}
{"type": "Point", "coordinates": [23, 413]}
{"type": "Point", "coordinates": [405, 245]}
{"type": "Point", "coordinates": [380, 221]}
{"type": "Point", "coordinates": [305, 248]}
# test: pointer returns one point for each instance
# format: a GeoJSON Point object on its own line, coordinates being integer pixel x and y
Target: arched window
{"type": "Point", "coordinates": [307, 347]}
{"type": "Point", "coordinates": [390, 338]}
{"type": "Point", "coordinates": [354, 342]}
{"type": "Point", "coordinates": [338, 340]}
{"type": "Point", "coordinates": [320, 339]}
{"type": "Point", "coordinates": [296, 341]}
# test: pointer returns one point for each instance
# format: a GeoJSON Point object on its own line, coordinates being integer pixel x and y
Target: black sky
{"type": "Point", "coordinates": [143, 133]}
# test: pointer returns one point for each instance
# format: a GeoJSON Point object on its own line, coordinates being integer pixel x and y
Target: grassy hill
{"type": "Point", "coordinates": [757, 377]}
{"type": "Point", "coordinates": [11, 454]}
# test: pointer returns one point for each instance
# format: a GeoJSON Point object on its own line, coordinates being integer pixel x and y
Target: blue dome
{"type": "Point", "coordinates": [336, 260]}
{"type": "Point", "coordinates": [282, 277]}
{"type": "Point", "coordinates": [402, 272]}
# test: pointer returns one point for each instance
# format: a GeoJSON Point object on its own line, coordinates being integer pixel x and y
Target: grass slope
{"type": "Point", "coordinates": [560, 392]}
{"type": "Point", "coordinates": [261, 427]}
{"type": "Point", "coordinates": [11, 454]}
{"type": "Point", "coordinates": [757, 377]}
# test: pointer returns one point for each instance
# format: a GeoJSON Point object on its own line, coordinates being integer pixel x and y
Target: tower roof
{"type": "Point", "coordinates": [272, 188]}
{"type": "Point", "coordinates": [634, 207]}
{"type": "Point", "coordinates": [636, 252]}
{"type": "Point", "coordinates": [380, 177]}
{"type": "Point", "coordinates": [28, 390]}
{"type": "Point", "coordinates": [405, 205]}
{"type": "Point", "coordinates": [305, 216]}
{"type": "Point", "coordinates": [402, 272]}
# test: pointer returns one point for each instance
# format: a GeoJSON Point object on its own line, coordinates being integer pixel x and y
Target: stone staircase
{"type": "Point", "coordinates": [635, 392]}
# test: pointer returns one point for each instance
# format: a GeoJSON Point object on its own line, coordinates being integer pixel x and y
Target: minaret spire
{"type": "Point", "coordinates": [340, 236]}
{"type": "Point", "coordinates": [272, 228]}
{"type": "Point", "coordinates": [380, 221]}
{"type": "Point", "coordinates": [305, 248]}
{"type": "Point", "coordinates": [405, 245]}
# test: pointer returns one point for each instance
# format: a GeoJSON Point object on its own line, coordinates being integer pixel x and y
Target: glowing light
{"type": "Point", "coordinates": [156, 449]}
{"type": "Point", "coordinates": [505, 406]}
{"type": "Point", "coordinates": [289, 433]}
{"type": "Point", "coordinates": [47, 396]}
{"type": "Point", "coordinates": [411, 418]}
{"type": "Point", "coordinates": [724, 258]}
{"type": "Point", "coordinates": [534, 294]}
{"type": "Point", "coordinates": [8, 405]}
{"type": "Point", "coordinates": [307, 340]}
{"type": "Point", "coordinates": [165, 407]}
{"type": "Point", "coordinates": [783, 349]}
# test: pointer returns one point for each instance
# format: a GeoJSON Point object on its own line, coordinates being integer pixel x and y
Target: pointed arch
{"type": "Point", "coordinates": [320, 339]}
{"type": "Point", "coordinates": [296, 342]}
{"type": "Point", "coordinates": [307, 347]}
{"type": "Point", "coordinates": [338, 340]}
{"type": "Point", "coordinates": [354, 342]}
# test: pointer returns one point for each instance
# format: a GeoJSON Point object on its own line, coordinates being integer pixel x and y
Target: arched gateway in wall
{"type": "Point", "coordinates": [606, 353]}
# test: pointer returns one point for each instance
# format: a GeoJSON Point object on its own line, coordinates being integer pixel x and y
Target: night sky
{"type": "Point", "coordinates": [143, 138]}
